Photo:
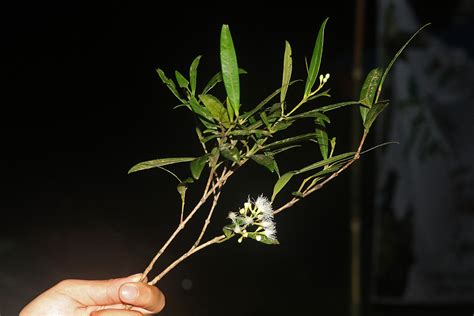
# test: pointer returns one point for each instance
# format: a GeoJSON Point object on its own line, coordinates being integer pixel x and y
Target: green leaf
{"type": "Point", "coordinates": [158, 163]}
{"type": "Point", "coordinates": [230, 110]}
{"type": "Point", "coordinates": [182, 82]}
{"type": "Point", "coordinates": [216, 79]}
{"type": "Point", "coordinates": [193, 74]}
{"type": "Point", "coordinates": [325, 162]}
{"type": "Point", "coordinates": [246, 115]}
{"type": "Point", "coordinates": [287, 69]}
{"type": "Point", "coordinates": [263, 238]}
{"type": "Point", "coordinates": [325, 93]}
{"type": "Point", "coordinates": [208, 138]}
{"type": "Point", "coordinates": [216, 109]}
{"type": "Point", "coordinates": [200, 110]}
{"type": "Point", "coordinates": [385, 73]}
{"type": "Point", "coordinates": [368, 91]}
{"type": "Point", "coordinates": [214, 157]}
{"type": "Point", "coordinates": [230, 69]}
{"type": "Point", "coordinates": [279, 126]}
{"type": "Point", "coordinates": [266, 160]}
{"type": "Point", "coordinates": [290, 140]}
{"type": "Point", "coordinates": [322, 137]}
{"type": "Point", "coordinates": [315, 60]}
{"type": "Point", "coordinates": [170, 84]}
{"type": "Point", "coordinates": [230, 153]}
{"type": "Point", "coordinates": [181, 188]}
{"type": "Point", "coordinates": [275, 152]}
{"type": "Point", "coordinates": [376, 109]}
{"type": "Point", "coordinates": [228, 231]}
{"type": "Point", "coordinates": [197, 165]}
{"type": "Point", "coordinates": [331, 107]}
{"type": "Point", "coordinates": [312, 113]}
{"type": "Point", "coordinates": [281, 182]}
{"type": "Point", "coordinates": [244, 132]}
{"type": "Point", "coordinates": [264, 118]}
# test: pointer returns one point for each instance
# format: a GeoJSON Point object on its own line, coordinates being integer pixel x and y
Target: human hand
{"type": "Point", "coordinates": [97, 298]}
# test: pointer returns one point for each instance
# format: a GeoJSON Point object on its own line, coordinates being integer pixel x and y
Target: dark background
{"type": "Point", "coordinates": [82, 103]}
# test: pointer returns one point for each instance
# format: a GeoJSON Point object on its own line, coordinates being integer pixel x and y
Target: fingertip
{"type": "Point", "coordinates": [129, 292]}
{"type": "Point", "coordinates": [142, 295]}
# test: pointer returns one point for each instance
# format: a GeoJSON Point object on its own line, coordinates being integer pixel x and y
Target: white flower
{"type": "Point", "coordinates": [263, 205]}
{"type": "Point", "coordinates": [232, 216]}
{"type": "Point", "coordinates": [270, 232]}
{"type": "Point", "coordinates": [268, 223]}
{"type": "Point", "coordinates": [248, 220]}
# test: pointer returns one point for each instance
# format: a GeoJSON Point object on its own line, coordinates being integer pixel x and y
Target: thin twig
{"type": "Point", "coordinates": [182, 224]}
{"type": "Point", "coordinates": [211, 211]}
{"type": "Point", "coordinates": [191, 251]}
{"type": "Point", "coordinates": [294, 200]}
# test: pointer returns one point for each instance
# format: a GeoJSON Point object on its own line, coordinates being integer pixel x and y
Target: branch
{"type": "Point", "coordinates": [294, 200]}
{"type": "Point", "coordinates": [191, 251]}
{"type": "Point", "coordinates": [182, 224]}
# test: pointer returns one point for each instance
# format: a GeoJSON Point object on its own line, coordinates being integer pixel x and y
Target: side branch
{"type": "Point", "coordinates": [193, 250]}
{"type": "Point", "coordinates": [206, 194]}
{"type": "Point", "coordinates": [294, 200]}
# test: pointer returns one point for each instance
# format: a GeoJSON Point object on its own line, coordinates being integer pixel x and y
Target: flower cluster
{"type": "Point", "coordinates": [255, 220]}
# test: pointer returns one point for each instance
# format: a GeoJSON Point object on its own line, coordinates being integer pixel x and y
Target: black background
{"type": "Point", "coordinates": [82, 103]}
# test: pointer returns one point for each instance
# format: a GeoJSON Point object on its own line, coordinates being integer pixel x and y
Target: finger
{"type": "Point", "coordinates": [115, 312]}
{"type": "Point", "coordinates": [95, 293]}
{"type": "Point", "coordinates": [143, 295]}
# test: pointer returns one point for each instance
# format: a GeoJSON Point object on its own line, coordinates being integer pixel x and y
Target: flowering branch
{"type": "Point", "coordinates": [230, 138]}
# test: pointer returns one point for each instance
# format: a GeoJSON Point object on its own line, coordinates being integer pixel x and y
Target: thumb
{"type": "Point", "coordinates": [96, 292]}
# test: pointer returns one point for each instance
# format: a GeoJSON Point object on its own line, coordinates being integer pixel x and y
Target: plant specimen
{"type": "Point", "coordinates": [231, 135]}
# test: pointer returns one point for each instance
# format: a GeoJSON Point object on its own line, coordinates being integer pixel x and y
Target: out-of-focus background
{"type": "Point", "coordinates": [82, 103]}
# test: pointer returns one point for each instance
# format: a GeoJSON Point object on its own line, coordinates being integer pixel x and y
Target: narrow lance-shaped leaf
{"type": "Point", "coordinates": [325, 162]}
{"type": "Point", "coordinates": [230, 153]}
{"type": "Point", "coordinates": [289, 141]}
{"type": "Point", "coordinates": [158, 163]}
{"type": "Point", "coordinates": [385, 73]}
{"type": "Point", "coordinates": [368, 91]}
{"type": "Point", "coordinates": [193, 74]}
{"type": "Point", "coordinates": [322, 137]}
{"type": "Point", "coordinates": [216, 109]}
{"type": "Point", "coordinates": [376, 109]}
{"type": "Point", "coordinates": [216, 79]}
{"type": "Point", "coordinates": [200, 110]}
{"type": "Point", "coordinates": [230, 110]}
{"type": "Point", "coordinates": [315, 60]}
{"type": "Point", "coordinates": [265, 121]}
{"type": "Point", "coordinates": [170, 84]}
{"type": "Point", "coordinates": [265, 101]}
{"type": "Point", "coordinates": [331, 107]}
{"type": "Point", "coordinates": [182, 82]}
{"type": "Point", "coordinates": [197, 165]}
{"type": "Point", "coordinates": [230, 69]}
{"type": "Point", "coordinates": [281, 182]}
{"type": "Point", "coordinates": [287, 69]}
{"type": "Point", "coordinates": [266, 160]}
{"type": "Point", "coordinates": [312, 113]}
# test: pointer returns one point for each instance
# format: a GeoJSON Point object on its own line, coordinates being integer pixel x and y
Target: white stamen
{"type": "Point", "coordinates": [264, 206]}
{"type": "Point", "coordinates": [232, 216]}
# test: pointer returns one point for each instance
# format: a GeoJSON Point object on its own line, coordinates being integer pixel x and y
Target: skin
{"type": "Point", "coordinates": [97, 298]}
